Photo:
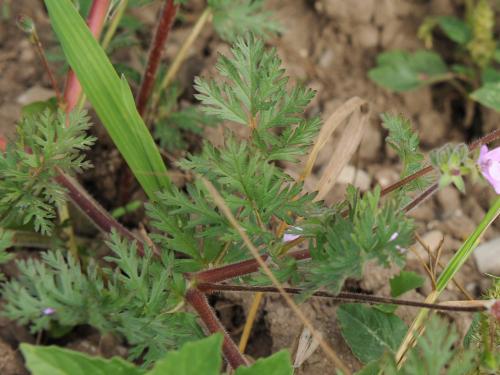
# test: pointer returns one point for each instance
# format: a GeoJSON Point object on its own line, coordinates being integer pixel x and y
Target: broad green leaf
{"type": "Point", "coordinates": [277, 364]}
{"type": "Point", "coordinates": [488, 95]}
{"type": "Point", "coordinates": [372, 368]}
{"type": "Point", "coordinates": [405, 281]}
{"type": "Point", "coordinates": [370, 332]}
{"type": "Point", "coordinates": [110, 97]}
{"type": "Point", "coordinates": [455, 29]}
{"type": "Point", "coordinates": [490, 75]}
{"type": "Point", "coordinates": [52, 360]}
{"type": "Point", "coordinates": [200, 357]}
{"type": "Point", "coordinates": [403, 71]}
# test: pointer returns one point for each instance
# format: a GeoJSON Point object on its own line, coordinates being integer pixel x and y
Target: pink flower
{"type": "Point", "coordinates": [489, 163]}
{"type": "Point", "coordinates": [288, 237]}
{"type": "Point", "coordinates": [48, 311]}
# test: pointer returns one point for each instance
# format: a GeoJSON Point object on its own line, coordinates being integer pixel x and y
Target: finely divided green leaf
{"type": "Point", "coordinates": [110, 97]}
{"type": "Point", "coordinates": [277, 364]}
{"type": "Point", "coordinates": [405, 281]}
{"type": "Point", "coordinates": [370, 332]}
{"type": "Point", "coordinates": [52, 360]}
{"type": "Point", "coordinates": [403, 71]}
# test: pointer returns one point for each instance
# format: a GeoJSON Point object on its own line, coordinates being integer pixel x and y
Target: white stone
{"type": "Point", "coordinates": [360, 178]}
{"type": "Point", "coordinates": [487, 257]}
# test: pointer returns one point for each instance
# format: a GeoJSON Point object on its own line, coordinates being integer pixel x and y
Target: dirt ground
{"type": "Point", "coordinates": [328, 45]}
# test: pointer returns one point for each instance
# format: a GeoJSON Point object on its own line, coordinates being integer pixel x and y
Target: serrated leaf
{"type": "Point", "coordinates": [201, 357]}
{"type": "Point", "coordinates": [488, 95]}
{"type": "Point", "coordinates": [369, 332]}
{"type": "Point", "coordinates": [403, 71]}
{"type": "Point", "coordinates": [277, 364]}
{"type": "Point", "coordinates": [405, 281]}
{"type": "Point", "coordinates": [455, 29]}
{"type": "Point", "coordinates": [110, 97]}
{"type": "Point", "coordinates": [52, 360]}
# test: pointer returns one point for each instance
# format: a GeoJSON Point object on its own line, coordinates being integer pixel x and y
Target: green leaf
{"type": "Point", "coordinates": [372, 368]}
{"type": "Point", "coordinates": [405, 281]}
{"type": "Point", "coordinates": [52, 360]}
{"type": "Point", "coordinates": [455, 29]}
{"type": "Point", "coordinates": [277, 364]}
{"type": "Point", "coordinates": [490, 75]}
{"type": "Point", "coordinates": [234, 18]}
{"type": "Point", "coordinates": [369, 332]}
{"type": "Point", "coordinates": [405, 142]}
{"type": "Point", "coordinates": [39, 107]}
{"type": "Point", "coordinates": [488, 95]}
{"type": "Point", "coordinates": [403, 71]}
{"type": "Point", "coordinates": [110, 97]}
{"type": "Point", "coordinates": [200, 357]}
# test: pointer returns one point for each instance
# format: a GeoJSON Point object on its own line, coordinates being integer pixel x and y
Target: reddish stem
{"type": "Point", "coordinates": [162, 30]}
{"type": "Point", "coordinates": [95, 212]}
{"type": "Point", "coordinates": [243, 268]}
{"type": "Point", "coordinates": [199, 302]}
{"type": "Point", "coordinates": [95, 21]}
{"type": "Point", "coordinates": [341, 297]}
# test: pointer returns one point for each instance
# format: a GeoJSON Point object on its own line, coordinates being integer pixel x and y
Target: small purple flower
{"type": "Point", "coordinates": [393, 236]}
{"type": "Point", "coordinates": [489, 163]}
{"type": "Point", "coordinates": [288, 237]}
{"type": "Point", "coordinates": [48, 311]}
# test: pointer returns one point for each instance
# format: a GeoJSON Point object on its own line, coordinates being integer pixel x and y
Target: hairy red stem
{"type": "Point", "coordinates": [95, 212]}
{"type": "Point", "coordinates": [341, 297]}
{"type": "Point", "coordinates": [161, 34]}
{"type": "Point", "coordinates": [200, 303]}
{"type": "Point", "coordinates": [95, 21]}
{"type": "Point", "coordinates": [243, 268]}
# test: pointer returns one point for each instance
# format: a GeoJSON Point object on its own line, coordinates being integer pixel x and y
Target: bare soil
{"type": "Point", "coordinates": [328, 45]}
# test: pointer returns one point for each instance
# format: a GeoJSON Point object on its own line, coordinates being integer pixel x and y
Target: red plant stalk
{"type": "Point", "coordinates": [199, 302]}
{"type": "Point", "coordinates": [165, 22]}
{"type": "Point", "coordinates": [95, 212]}
{"type": "Point", "coordinates": [95, 21]}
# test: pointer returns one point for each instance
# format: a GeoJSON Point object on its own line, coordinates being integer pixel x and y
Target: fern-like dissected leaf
{"type": "Point", "coordinates": [135, 301]}
{"type": "Point", "coordinates": [405, 142]}
{"type": "Point", "coordinates": [436, 353]}
{"type": "Point", "coordinates": [371, 230]}
{"type": "Point", "coordinates": [233, 18]}
{"type": "Point", "coordinates": [45, 142]}
{"type": "Point", "coordinates": [256, 95]}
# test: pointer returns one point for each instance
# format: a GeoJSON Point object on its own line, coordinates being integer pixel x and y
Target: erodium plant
{"type": "Point", "coordinates": [240, 202]}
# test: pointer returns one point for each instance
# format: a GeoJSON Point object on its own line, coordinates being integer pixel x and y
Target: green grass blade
{"type": "Point", "coordinates": [110, 96]}
{"type": "Point", "coordinates": [447, 275]}
{"type": "Point", "coordinates": [468, 246]}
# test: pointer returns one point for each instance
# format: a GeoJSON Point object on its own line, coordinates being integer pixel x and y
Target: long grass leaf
{"type": "Point", "coordinates": [110, 97]}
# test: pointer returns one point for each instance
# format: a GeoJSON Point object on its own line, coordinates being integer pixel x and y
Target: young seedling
{"type": "Point", "coordinates": [473, 70]}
